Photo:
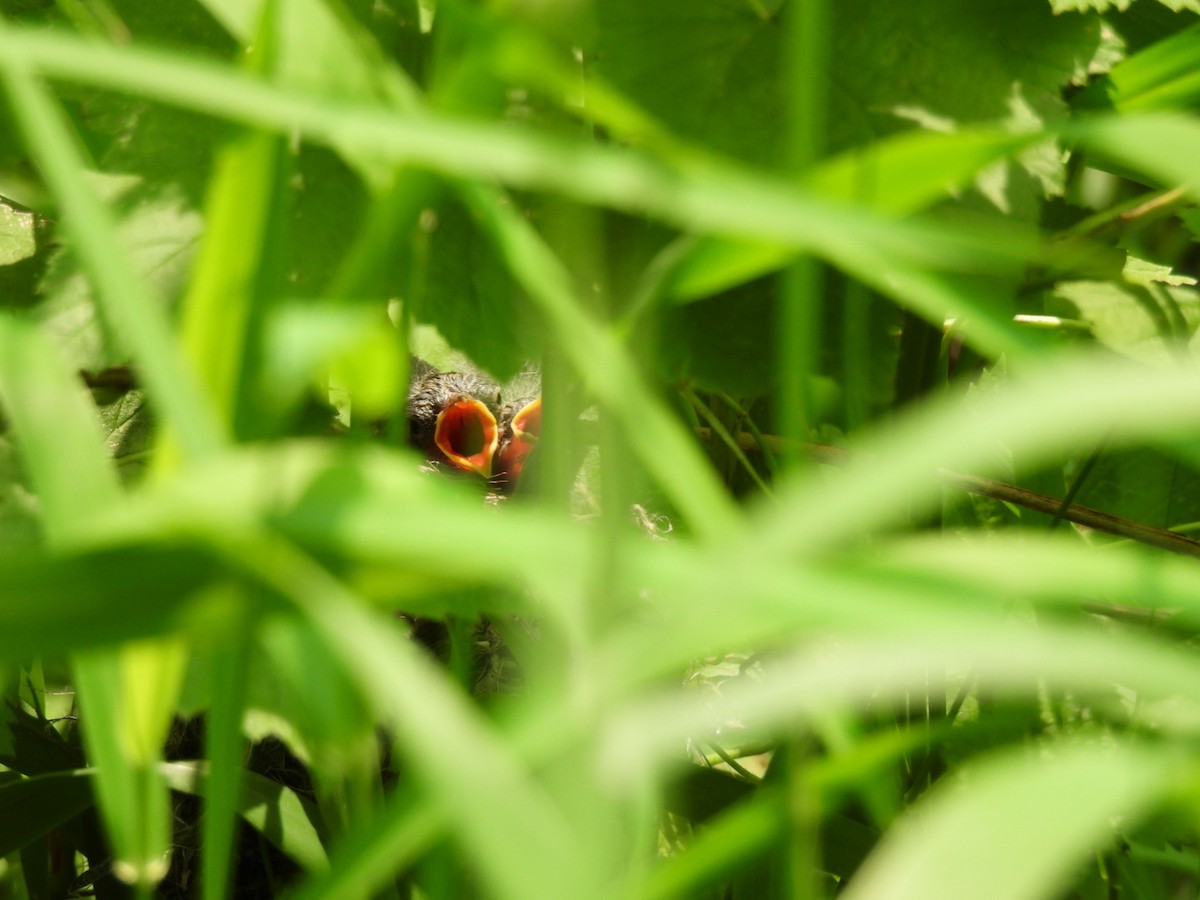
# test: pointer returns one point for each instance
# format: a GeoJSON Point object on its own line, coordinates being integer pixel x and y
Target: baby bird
{"type": "Point", "coordinates": [520, 424]}
{"type": "Point", "coordinates": [452, 418]}
{"type": "Point", "coordinates": [459, 418]}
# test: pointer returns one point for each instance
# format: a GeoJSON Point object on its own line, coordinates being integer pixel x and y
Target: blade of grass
{"type": "Point", "coordinates": [1020, 822]}
{"type": "Point", "coordinates": [662, 445]}
{"type": "Point", "coordinates": [62, 448]}
{"type": "Point", "coordinates": [124, 715]}
{"type": "Point", "coordinates": [1162, 76]}
{"type": "Point", "coordinates": [1067, 404]}
{"type": "Point", "coordinates": [1004, 657]}
{"type": "Point", "coordinates": [1162, 145]}
{"type": "Point", "coordinates": [708, 197]}
{"type": "Point", "coordinates": [504, 820]}
{"type": "Point", "coordinates": [137, 317]}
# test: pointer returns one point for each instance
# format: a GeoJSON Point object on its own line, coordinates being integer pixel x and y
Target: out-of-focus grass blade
{"type": "Point", "coordinates": [1004, 658]}
{"type": "Point", "coordinates": [506, 824]}
{"type": "Point", "coordinates": [1165, 75]}
{"type": "Point", "coordinates": [714, 197]}
{"type": "Point", "coordinates": [665, 449]}
{"type": "Point", "coordinates": [721, 847]}
{"type": "Point", "coordinates": [1051, 408]}
{"type": "Point", "coordinates": [235, 279]}
{"type": "Point", "coordinates": [283, 817]}
{"type": "Point", "coordinates": [1162, 145]}
{"type": "Point", "coordinates": [857, 595]}
{"type": "Point", "coordinates": [984, 315]}
{"type": "Point", "coordinates": [30, 807]}
{"type": "Point", "coordinates": [371, 854]}
{"type": "Point", "coordinates": [125, 715]}
{"type": "Point", "coordinates": [123, 745]}
{"type": "Point", "coordinates": [368, 505]}
{"type": "Point", "coordinates": [702, 195]}
{"type": "Point", "coordinates": [1020, 822]}
{"type": "Point", "coordinates": [62, 448]}
{"type": "Point", "coordinates": [224, 745]}
{"type": "Point", "coordinates": [53, 604]}
{"type": "Point", "coordinates": [136, 317]}
{"type": "Point", "coordinates": [220, 314]}
{"type": "Point", "coordinates": [1045, 569]}
{"type": "Point", "coordinates": [904, 173]}
{"type": "Point", "coordinates": [898, 175]}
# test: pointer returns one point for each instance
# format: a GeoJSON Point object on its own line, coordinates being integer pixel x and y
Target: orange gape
{"type": "Point", "coordinates": [467, 434]}
{"type": "Point", "coordinates": [522, 437]}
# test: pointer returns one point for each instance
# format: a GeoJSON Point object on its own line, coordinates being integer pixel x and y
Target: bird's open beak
{"type": "Point", "coordinates": [466, 432]}
{"type": "Point", "coordinates": [526, 425]}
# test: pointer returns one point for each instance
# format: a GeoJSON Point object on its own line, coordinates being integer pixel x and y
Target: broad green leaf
{"type": "Point", "coordinates": [1019, 822]}
{"type": "Point", "coordinates": [1143, 24]}
{"type": "Point", "coordinates": [158, 227]}
{"type": "Point", "coordinates": [465, 290]}
{"type": "Point", "coordinates": [1151, 326]}
{"type": "Point", "coordinates": [1145, 486]}
{"type": "Point", "coordinates": [733, 101]}
{"type": "Point", "coordinates": [1062, 6]}
{"type": "Point", "coordinates": [16, 235]}
{"type": "Point", "coordinates": [1191, 221]}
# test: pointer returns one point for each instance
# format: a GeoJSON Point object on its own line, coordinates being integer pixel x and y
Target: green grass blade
{"type": "Point", "coordinates": [123, 738]}
{"type": "Point", "coordinates": [125, 714]}
{"type": "Point", "coordinates": [1005, 660]}
{"type": "Point", "coordinates": [137, 317]}
{"type": "Point", "coordinates": [709, 196]}
{"type": "Point", "coordinates": [664, 448]}
{"type": "Point", "coordinates": [53, 604]}
{"type": "Point", "coordinates": [1070, 404]}
{"type": "Point", "coordinates": [1161, 77]}
{"type": "Point", "coordinates": [505, 822]}
{"type": "Point", "coordinates": [1020, 822]}
{"type": "Point", "coordinates": [1162, 145]}
{"type": "Point", "coordinates": [62, 448]}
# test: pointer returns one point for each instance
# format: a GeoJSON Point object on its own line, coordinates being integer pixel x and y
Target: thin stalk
{"type": "Point", "coordinates": [718, 428]}
{"type": "Point", "coordinates": [800, 309]}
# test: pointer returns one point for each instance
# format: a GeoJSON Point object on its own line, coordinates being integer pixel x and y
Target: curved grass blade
{"type": "Point", "coordinates": [136, 316]}
{"type": "Point", "coordinates": [1020, 822]}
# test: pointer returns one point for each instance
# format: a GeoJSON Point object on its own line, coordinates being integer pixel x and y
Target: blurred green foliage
{"type": "Point", "coordinates": [685, 658]}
